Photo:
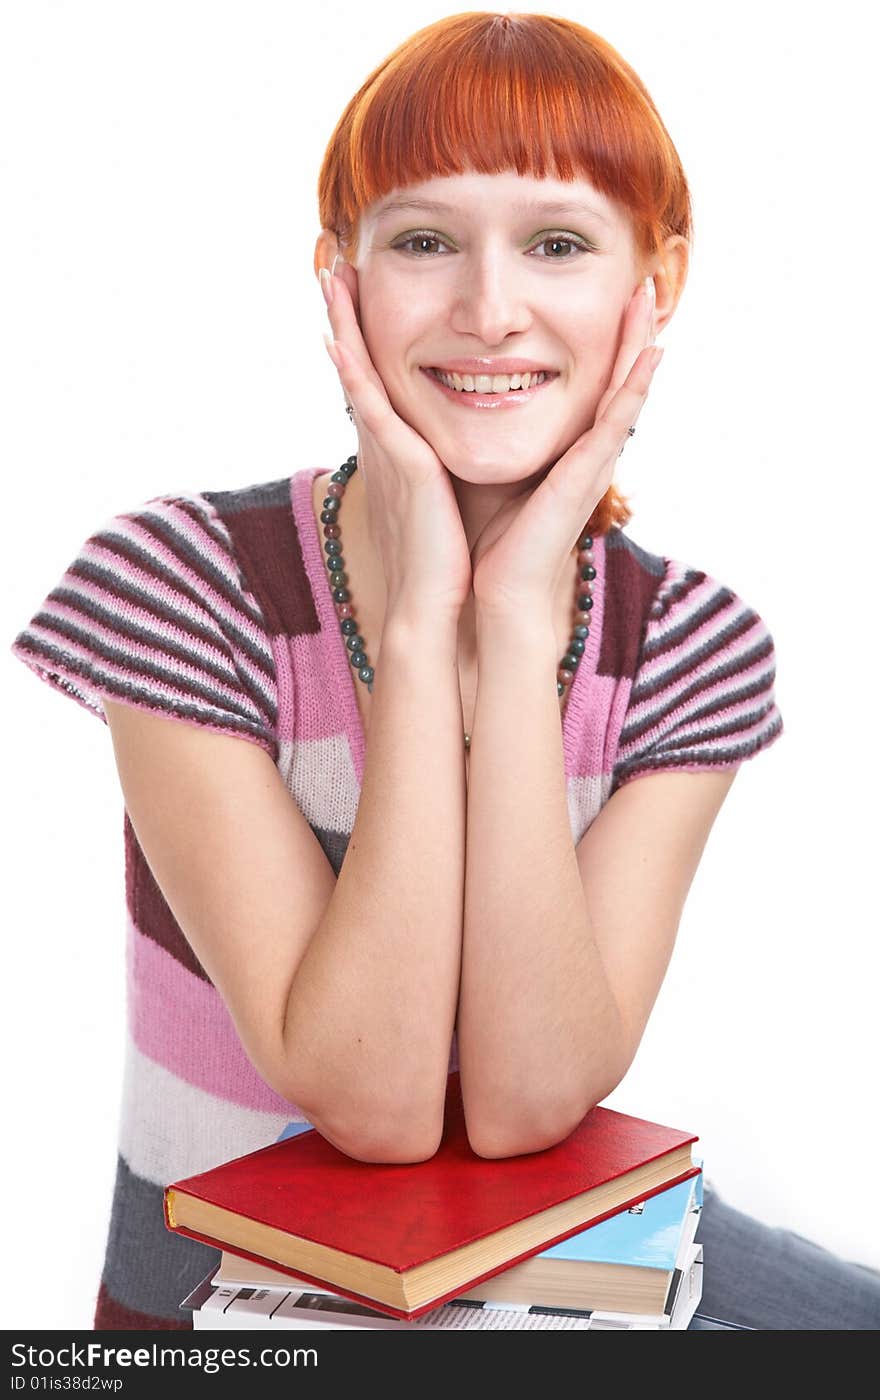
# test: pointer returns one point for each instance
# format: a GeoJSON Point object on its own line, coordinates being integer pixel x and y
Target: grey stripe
{"type": "Point", "coordinates": [156, 641]}
{"type": "Point", "coordinates": [184, 549]}
{"type": "Point", "coordinates": [758, 685]}
{"type": "Point", "coordinates": [226, 709]}
{"type": "Point", "coordinates": [713, 756]}
{"type": "Point", "coordinates": [653, 564]}
{"type": "Point", "coordinates": [147, 1266]}
{"type": "Point", "coordinates": [264, 494]}
{"type": "Point", "coordinates": [726, 634]}
{"type": "Point", "coordinates": [117, 584]}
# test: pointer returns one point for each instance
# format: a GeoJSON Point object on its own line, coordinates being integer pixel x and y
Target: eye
{"type": "Point", "coordinates": [417, 238]}
{"type": "Point", "coordinates": [569, 240]}
{"type": "Point", "coordinates": [566, 239]}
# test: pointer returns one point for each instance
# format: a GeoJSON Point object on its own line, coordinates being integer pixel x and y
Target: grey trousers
{"type": "Point", "coordinates": [774, 1280]}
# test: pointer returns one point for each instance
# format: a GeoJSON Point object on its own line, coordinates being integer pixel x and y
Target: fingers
{"type": "Point", "coordinates": [638, 331]}
{"type": "Point", "coordinates": [363, 387]}
{"type": "Point", "coordinates": [611, 430]}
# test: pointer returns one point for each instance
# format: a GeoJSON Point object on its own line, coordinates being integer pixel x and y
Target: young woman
{"type": "Point", "coordinates": [449, 664]}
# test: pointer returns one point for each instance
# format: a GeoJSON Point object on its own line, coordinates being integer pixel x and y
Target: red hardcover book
{"type": "Point", "coordinates": [405, 1237]}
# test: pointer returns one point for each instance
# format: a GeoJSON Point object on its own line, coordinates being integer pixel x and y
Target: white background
{"type": "Point", "coordinates": [161, 330]}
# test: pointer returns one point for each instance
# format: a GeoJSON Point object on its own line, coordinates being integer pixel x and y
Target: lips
{"type": "Point", "coordinates": [485, 400]}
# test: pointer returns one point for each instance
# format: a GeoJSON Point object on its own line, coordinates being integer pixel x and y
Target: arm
{"type": "Point", "coordinates": [563, 949]}
{"type": "Point", "coordinates": [343, 991]}
{"type": "Point", "coordinates": [371, 1008]}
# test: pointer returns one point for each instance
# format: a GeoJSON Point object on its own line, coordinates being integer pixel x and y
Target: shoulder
{"type": "Point", "coordinates": [701, 661]}
{"type": "Point", "coordinates": [173, 605]}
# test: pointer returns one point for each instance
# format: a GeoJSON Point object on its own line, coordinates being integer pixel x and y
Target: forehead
{"type": "Point", "coordinates": [507, 193]}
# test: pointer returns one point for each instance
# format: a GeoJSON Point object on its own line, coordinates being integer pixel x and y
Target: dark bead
{"type": "Point", "coordinates": [588, 571]}
{"type": "Point", "coordinates": [340, 477]}
{"type": "Point", "coordinates": [335, 562]}
{"type": "Point", "coordinates": [582, 631]}
{"type": "Point", "coordinates": [584, 602]}
{"type": "Point", "coordinates": [569, 662]}
{"type": "Point", "coordinates": [348, 625]}
{"type": "Point", "coordinates": [560, 687]}
{"type": "Point", "coordinates": [341, 595]}
{"type": "Point", "coordinates": [328, 517]}
{"type": "Point", "coordinates": [355, 642]}
{"type": "Point", "coordinates": [331, 503]}
{"type": "Point", "coordinates": [332, 547]}
{"type": "Point", "coordinates": [338, 578]}
{"type": "Point", "coordinates": [575, 646]}
{"type": "Point", "coordinates": [585, 542]}
{"type": "Point", "coordinates": [366, 674]}
{"type": "Point", "coordinates": [358, 659]}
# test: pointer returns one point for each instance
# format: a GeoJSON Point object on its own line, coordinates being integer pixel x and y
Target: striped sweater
{"type": "Point", "coordinates": [215, 608]}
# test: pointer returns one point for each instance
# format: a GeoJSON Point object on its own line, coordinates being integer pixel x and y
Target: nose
{"type": "Point", "coordinates": [488, 301]}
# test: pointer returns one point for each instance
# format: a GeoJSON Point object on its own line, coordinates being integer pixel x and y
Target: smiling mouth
{"type": "Point", "coordinates": [490, 384]}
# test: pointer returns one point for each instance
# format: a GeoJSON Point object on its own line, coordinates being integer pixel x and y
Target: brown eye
{"type": "Point", "coordinates": [418, 238]}
{"type": "Point", "coordinates": [556, 239]}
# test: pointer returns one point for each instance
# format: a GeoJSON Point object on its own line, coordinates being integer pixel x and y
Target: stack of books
{"type": "Point", "coordinates": [595, 1232]}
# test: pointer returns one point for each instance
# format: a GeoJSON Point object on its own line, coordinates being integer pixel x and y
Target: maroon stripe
{"type": "Point", "coordinates": [150, 910]}
{"type": "Point", "coordinates": [111, 1316]}
{"type": "Point", "coordinates": [629, 591]}
{"type": "Point", "coordinates": [267, 543]}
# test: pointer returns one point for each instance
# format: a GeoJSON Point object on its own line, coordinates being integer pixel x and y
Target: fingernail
{"type": "Point", "coordinates": [650, 290]}
{"type": "Point", "coordinates": [657, 356]}
{"type": "Point", "coordinates": [326, 285]}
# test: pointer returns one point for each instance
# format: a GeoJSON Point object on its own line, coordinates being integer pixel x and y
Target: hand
{"type": "Point", "coordinates": [522, 551]}
{"type": "Point", "coordinates": [412, 506]}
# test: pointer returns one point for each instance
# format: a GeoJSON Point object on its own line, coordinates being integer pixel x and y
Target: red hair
{"type": "Point", "coordinates": [488, 92]}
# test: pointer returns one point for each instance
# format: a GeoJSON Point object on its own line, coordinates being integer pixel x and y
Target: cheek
{"type": "Point", "coordinates": [387, 331]}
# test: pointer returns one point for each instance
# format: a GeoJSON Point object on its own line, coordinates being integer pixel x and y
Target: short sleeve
{"type": "Point", "coordinates": [155, 612]}
{"type": "Point", "coordinates": [703, 695]}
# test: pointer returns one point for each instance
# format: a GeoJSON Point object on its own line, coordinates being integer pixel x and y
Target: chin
{"type": "Point", "coordinates": [492, 471]}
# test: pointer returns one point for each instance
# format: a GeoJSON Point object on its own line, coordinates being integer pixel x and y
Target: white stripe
{"type": "Point", "coordinates": [171, 1129]}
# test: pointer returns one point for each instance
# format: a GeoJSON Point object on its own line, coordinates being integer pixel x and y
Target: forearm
{"type": "Point", "coordinates": [539, 1032]}
{"type": "Point", "coordinates": [372, 1007]}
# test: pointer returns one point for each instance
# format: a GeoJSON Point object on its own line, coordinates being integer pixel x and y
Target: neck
{"type": "Point", "coordinates": [477, 505]}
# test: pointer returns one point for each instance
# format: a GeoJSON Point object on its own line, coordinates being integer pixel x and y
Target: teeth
{"type": "Point", "coordinates": [490, 384]}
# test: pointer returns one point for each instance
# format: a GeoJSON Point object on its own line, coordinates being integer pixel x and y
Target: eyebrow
{"type": "Point", "coordinates": [527, 206]}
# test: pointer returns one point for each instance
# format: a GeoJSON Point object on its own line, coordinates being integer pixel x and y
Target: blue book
{"type": "Point", "coordinates": [630, 1263]}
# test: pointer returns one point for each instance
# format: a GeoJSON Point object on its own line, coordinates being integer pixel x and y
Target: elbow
{"type": "Point", "coordinates": [509, 1140]}
{"type": "Point", "coordinates": [377, 1135]}
{"type": "Point", "coordinates": [388, 1148]}
{"type": "Point", "coordinates": [533, 1131]}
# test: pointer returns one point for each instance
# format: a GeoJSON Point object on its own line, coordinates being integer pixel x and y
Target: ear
{"type": "Point", "coordinates": [670, 274]}
{"type": "Point", "coordinates": [329, 254]}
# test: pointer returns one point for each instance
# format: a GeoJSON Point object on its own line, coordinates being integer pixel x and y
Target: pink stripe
{"type": "Point", "coordinates": [313, 670]}
{"type": "Point", "coordinates": [581, 726]}
{"type": "Point", "coordinates": [182, 1023]}
{"type": "Point", "coordinates": [725, 616]}
{"type": "Point", "coordinates": [122, 568]}
{"type": "Point", "coordinates": [336, 667]}
{"type": "Point", "coordinates": [620, 690]}
{"type": "Point", "coordinates": [702, 669]}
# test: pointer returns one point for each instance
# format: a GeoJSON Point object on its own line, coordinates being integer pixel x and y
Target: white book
{"type": "Point", "coordinates": [313, 1309]}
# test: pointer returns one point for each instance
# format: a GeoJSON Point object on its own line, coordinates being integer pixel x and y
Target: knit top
{"type": "Point", "coordinates": [215, 608]}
